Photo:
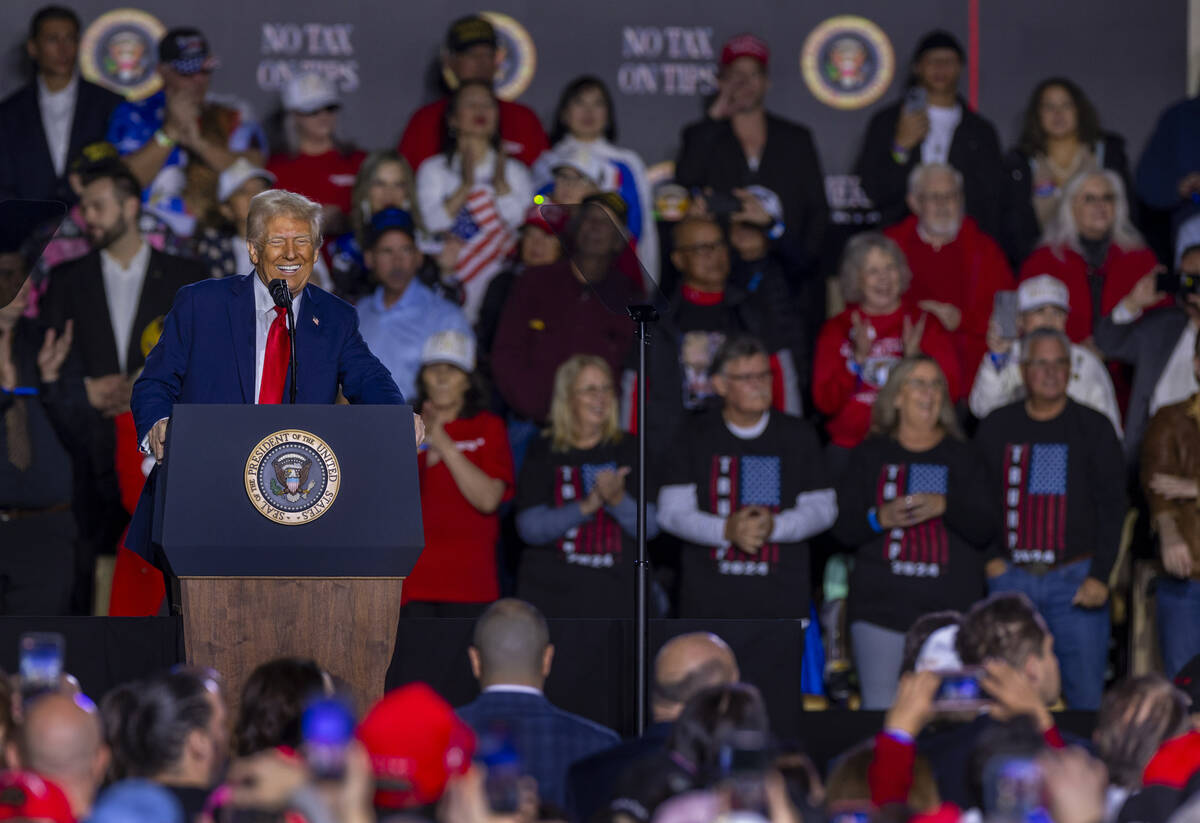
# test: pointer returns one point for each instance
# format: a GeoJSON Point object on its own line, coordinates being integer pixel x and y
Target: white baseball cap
{"type": "Point", "coordinates": [938, 652]}
{"type": "Point", "coordinates": [1043, 290]}
{"type": "Point", "coordinates": [309, 92]}
{"type": "Point", "coordinates": [451, 347]}
{"type": "Point", "coordinates": [579, 158]}
{"type": "Point", "coordinates": [238, 173]}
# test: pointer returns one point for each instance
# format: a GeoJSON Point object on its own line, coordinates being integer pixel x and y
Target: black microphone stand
{"type": "Point", "coordinates": [282, 296]}
{"type": "Point", "coordinates": [641, 315]}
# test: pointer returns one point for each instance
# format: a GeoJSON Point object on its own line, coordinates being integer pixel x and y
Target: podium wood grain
{"type": "Point", "coordinates": [348, 625]}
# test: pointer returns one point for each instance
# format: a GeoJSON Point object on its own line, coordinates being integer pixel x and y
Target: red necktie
{"type": "Point", "coordinates": [276, 360]}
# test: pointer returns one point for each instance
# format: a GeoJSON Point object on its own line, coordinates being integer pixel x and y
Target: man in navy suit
{"type": "Point", "coordinates": [683, 667]}
{"type": "Point", "coordinates": [511, 656]}
{"type": "Point", "coordinates": [48, 121]}
{"type": "Point", "coordinates": [225, 342]}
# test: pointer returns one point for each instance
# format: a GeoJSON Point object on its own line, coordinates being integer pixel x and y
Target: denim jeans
{"type": "Point", "coordinates": [1080, 635]}
{"type": "Point", "coordinates": [1178, 614]}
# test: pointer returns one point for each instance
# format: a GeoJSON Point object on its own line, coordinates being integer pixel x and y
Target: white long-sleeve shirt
{"type": "Point", "coordinates": [1089, 384]}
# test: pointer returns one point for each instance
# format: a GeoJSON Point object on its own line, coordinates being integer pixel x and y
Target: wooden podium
{"type": "Point", "coordinates": [290, 529]}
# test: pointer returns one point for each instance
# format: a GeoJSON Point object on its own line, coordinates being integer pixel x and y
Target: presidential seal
{"type": "Point", "coordinates": [516, 57]}
{"type": "Point", "coordinates": [120, 51]}
{"type": "Point", "coordinates": [292, 477]}
{"type": "Point", "coordinates": [847, 62]}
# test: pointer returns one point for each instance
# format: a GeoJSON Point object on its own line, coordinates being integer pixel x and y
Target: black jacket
{"type": "Point", "coordinates": [26, 170]}
{"type": "Point", "coordinates": [1021, 229]}
{"type": "Point", "coordinates": [711, 156]}
{"type": "Point", "coordinates": [974, 151]}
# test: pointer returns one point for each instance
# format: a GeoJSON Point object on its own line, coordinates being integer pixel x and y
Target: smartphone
{"type": "Point", "coordinates": [916, 99]}
{"type": "Point", "coordinates": [960, 691]}
{"type": "Point", "coordinates": [40, 663]}
{"type": "Point", "coordinates": [744, 760]}
{"type": "Point", "coordinates": [721, 203]}
{"type": "Point", "coordinates": [1005, 313]}
{"type": "Point", "coordinates": [1176, 282]}
{"type": "Point", "coordinates": [499, 754]}
{"type": "Point", "coordinates": [326, 729]}
{"type": "Point", "coordinates": [1013, 790]}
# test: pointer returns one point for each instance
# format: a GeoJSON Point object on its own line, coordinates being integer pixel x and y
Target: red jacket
{"type": "Point", "coordinates": [847, 397]}
{"type": "Point", "coordinates": [1120, 271]}
{"type": "Point", "coordinates": [965, 273]}
{"type": "Point", "coordinates": [520, 130]}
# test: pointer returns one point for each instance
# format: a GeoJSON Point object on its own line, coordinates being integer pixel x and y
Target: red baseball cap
{"type": "Point", "coordinates": [27, 796]}
{"type": "Point", "coordinates": [745, 45]}
{"type": "Point", "coordinates": [416, 743]}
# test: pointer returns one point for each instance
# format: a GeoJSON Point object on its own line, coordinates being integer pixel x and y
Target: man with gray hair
{"type": "Point", "coordinates": [226, 341]}
{"type": "Point", "coordinates": [511, 655]}
{"type": "Point", "coordinates": [61, 740]}
{"type": "Point", "coordinates": [1059, 468]}
{"type": "Point", "coordinates": [957, 268]}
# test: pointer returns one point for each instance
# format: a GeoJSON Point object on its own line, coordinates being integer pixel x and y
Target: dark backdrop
{"type": "Point", "coordinates": [659, 57]}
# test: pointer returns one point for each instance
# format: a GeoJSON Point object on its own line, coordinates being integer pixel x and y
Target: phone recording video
{"type": "Point", "coordinates": [40, 663]}
{"type": "Point", "coordinates": [1013, 790]}
{"type": "Point", "coordinates": [499, 754]}
{"type": "Point", "coordinates": [1177, 282]}
{"type": "Point", "coordinates": [744, 760]}
{"type": "Point", "coordinates": [326, 729]}
{"type": "Point", "coordinates": [960, 691]}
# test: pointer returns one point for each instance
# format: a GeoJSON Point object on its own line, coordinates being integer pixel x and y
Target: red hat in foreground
{"type": "Point", "coordinates": [416, 743]}
{"type": "Point", "coordinates": [27, 796]}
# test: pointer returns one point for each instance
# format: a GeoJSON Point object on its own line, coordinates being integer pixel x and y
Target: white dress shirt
{"type": "Point", "coordinates": [1178, 380]}
{"type": "Point", "coordinates": [943, 121]}
{"type": "Point", "coordinates": [58, 113]}
{"type": "Point", "coordinates": [264, 316]}
{"type": "Point", "coordinates": [123, 291]}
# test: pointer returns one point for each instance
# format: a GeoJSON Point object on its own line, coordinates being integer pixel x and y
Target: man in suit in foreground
{"type": "Point", "coordinates": [48, 121]}
{"type": "Point", "coordinates": [511, 655]}
{"type": "Point", "coordinates": [683, 667]}
{"type": "Point", "coordinates": [114, 299]}
{"type": "Point", "coordinates": [225, 341]}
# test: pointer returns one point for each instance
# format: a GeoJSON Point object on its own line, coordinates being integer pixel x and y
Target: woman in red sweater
{"type": "Point", "coordinates": [1092, 247]}
{"type": "Point", "coordinates": [857, 349]}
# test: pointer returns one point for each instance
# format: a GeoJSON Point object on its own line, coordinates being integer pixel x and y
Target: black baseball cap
{"type": "Point", "coordinates": [938, 39]}
{"type": "Point", "coordinates": [470, 31]}
{"type": "Point", "coordinates": [385, 220]}
{"type": "Point", "coordinates": [185, 49]}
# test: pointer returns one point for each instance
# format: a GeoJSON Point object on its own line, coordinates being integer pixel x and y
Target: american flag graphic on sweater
{"type": "Point", "coordinates": [597, 541]}
{"type": "Point", "coordinates": [735, 483]}
{"type": "Point", "coordinates": [924, 549]}
{"type": "Point", "coordinates": [485, 236]}
{"type": "Point", "coordinates": [1035, 501]}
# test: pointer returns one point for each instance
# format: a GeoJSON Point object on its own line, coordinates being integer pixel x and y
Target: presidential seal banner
{"type": "Point", "coordinates": [292, 477]}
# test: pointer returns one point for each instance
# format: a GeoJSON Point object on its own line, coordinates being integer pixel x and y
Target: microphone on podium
{"type": "Point", "coordinates": [282, 296]}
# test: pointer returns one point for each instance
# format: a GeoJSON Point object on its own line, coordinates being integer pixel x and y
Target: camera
{"type": "Point", "coordinates": [1177, 282]}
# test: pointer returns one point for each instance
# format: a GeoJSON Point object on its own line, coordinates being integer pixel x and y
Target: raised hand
{"type": "Point", "coordinates": [54, 351]}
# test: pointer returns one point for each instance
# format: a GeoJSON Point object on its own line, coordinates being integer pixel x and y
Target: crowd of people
{"type": "Point", "coordinates": [998, 399]}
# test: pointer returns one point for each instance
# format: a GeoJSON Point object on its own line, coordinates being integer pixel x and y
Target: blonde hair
{"type": "Point", "coordinates": [277, 202]}
{"type": "Point", "coordinates": [1062, 233]}
{"type": "Point", "coordinates": [885, 417]}
{"type": "Point", "coordinates": [855, 257]}
{"type": "Point", "coordinates": [360, 208]}
{"type": "Point", "coordinates": [562, 425]}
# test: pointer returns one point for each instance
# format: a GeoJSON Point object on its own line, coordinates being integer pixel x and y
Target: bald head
{"type": "Point", "coordinates": [511, 645]}
{"type": "Point", "coordinates": [686, 665]}
{"type": "Point", "coordinates": [61, 739]}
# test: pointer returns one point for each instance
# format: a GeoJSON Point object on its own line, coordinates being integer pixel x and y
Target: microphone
{"type": "Point", "coordinates": [282, 296]}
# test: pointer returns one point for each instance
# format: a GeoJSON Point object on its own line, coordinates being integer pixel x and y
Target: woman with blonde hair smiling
{"type": "Point", "coordinates": [573, 512]}
{"type": "Point", "coordinates": [914, 505]}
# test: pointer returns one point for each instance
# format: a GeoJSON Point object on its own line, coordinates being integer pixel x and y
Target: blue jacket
{"type": "Point", "coordinates": [547, 738]}
{"type": "Point", "coordinates": [1171, 153]}
{"type": "Point", "coordinates": [206, 355]}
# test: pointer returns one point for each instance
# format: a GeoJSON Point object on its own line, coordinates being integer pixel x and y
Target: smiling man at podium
{"type": "Point", "coordinates": [226, 341]}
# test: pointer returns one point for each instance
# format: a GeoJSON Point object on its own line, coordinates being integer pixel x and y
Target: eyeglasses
{"type": "Point", "coordinates": [702, 248]}
{"type": "Point", "coordinates": [595, 391]}
{"type": "Point", "coordinates": [332, 108]}
{"type": "Point", "coordinates": [749, 377]}
{"type": "Point", "coordinates": [1096, 199]}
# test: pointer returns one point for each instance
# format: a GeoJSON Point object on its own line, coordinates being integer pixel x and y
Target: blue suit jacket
{"type": "Point", "coordinates": [548, 739]}
{"type": "Point", "coordinates": [206, 355]}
